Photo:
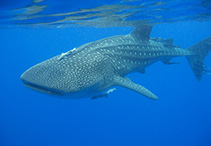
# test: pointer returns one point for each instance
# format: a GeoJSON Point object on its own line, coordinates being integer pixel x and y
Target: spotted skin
{"type": "Point", "coordinates": [95, 67]}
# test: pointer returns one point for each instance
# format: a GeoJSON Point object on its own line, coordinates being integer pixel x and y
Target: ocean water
{"type": "Point", "coordinates": [181, 115]}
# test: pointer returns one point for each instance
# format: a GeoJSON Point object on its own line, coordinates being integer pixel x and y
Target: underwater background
{"type": "Point", "coordinates": [181, 115]}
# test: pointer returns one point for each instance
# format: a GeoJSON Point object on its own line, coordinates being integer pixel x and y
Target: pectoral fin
{"type": "Point", "coordinates": [127, 83]}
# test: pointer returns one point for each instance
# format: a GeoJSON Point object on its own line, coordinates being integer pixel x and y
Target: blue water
{"type": "Point", "coordinates": [181, 116]}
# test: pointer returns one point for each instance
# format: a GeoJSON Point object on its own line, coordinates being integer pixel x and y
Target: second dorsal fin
{"type": "Point", "coordinates": [141, 32]}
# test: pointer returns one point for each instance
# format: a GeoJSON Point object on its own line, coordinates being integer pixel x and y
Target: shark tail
{"type": "Point", "coordinates": [198, 53]}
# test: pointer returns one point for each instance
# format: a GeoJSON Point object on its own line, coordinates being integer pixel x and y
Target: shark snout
{"type": "Point", "coordinates": [40, 88]}
{"type": "Point", "coordinates": [35, 78]}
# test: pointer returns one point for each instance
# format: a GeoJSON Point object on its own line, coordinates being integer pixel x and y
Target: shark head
{"type": "Point", "coordinates": [75, 75]}
{"type": "Point", "coordinates": [53, 76]}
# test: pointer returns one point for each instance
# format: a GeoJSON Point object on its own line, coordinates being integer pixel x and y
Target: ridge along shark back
{"type": "Point", "coordinates": [93, 69]}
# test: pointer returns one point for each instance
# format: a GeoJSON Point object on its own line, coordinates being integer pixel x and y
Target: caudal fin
{"type": "Point", "coordinates": [199, 51]}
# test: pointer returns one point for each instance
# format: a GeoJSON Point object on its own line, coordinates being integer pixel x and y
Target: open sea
{"type": "Point", "coordinates": [32, 31]}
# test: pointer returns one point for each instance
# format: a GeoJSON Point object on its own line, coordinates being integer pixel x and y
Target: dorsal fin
{"type": "Point", "coordinates": [141, 32]}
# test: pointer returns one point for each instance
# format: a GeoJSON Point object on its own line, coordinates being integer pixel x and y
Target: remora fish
{"type": "Point", "coordinates": [93, 68]}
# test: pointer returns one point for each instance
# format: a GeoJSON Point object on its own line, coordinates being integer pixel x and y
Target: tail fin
{"type": "Point", "coordinates": [199, 51]}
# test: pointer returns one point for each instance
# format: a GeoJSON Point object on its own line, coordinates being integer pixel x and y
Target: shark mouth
{"type": "Point", "coordinates": [41, 88]}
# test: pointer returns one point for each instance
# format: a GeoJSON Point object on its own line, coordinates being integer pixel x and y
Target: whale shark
{"type": "Point", "coordinates": [94, 69]}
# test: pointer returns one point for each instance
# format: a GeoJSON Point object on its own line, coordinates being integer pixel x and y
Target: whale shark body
{"type": "Point", "coordinates": [93, 69]}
